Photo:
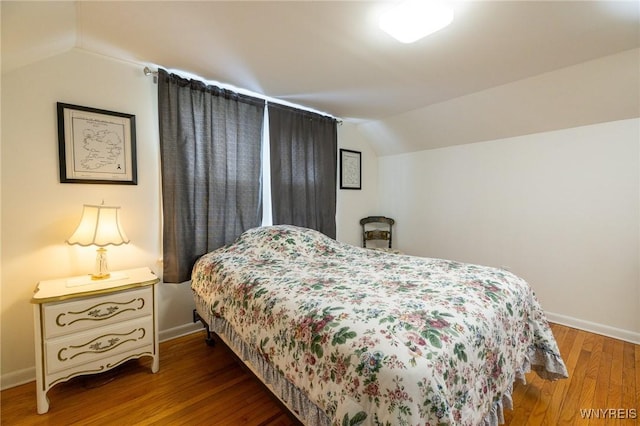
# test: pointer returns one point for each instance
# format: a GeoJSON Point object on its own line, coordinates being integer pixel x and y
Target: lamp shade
{"type": "Point", "coordinates": [99, 226]}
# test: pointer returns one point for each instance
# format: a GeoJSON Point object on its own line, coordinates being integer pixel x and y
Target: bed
{"type": "Point", "coordinates": [350, 336]}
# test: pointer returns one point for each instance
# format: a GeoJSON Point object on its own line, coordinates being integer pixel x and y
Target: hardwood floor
{"type": "Point", "coordinates": [199, 385]}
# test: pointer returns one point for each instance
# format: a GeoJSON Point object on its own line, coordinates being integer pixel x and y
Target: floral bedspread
{"type": "Point", "coordinates": [376, 338]}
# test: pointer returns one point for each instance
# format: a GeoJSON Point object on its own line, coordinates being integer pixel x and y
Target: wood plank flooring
{"type": "Point", "coordinates": [200, 385]}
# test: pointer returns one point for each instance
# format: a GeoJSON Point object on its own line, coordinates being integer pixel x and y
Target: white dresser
{"type": "Point", "coordinates": [87, 327]}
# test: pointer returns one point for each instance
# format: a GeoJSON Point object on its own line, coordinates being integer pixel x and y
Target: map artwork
{"type": "Point", "coordinates": [98, 146]}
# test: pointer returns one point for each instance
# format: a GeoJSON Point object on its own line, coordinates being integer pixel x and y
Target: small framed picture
{"type": "Point", "coordinates": [350, 169]}
{"type": "Point", "coordinates": [96, 146]}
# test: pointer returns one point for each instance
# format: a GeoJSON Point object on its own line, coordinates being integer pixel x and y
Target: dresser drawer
{"type": "Point", "coordinates": [66, 317]}
{"type": "Point", "coordinates": [99, 343]}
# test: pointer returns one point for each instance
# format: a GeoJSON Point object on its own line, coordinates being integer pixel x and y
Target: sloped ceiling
{"type": "Point", "coordinates": [330, 55]}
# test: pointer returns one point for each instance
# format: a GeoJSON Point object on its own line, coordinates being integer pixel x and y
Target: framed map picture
{"type": "Point", "coordinates": [350, 169]}
{"type": "Point", "coordinates": [96, 146]}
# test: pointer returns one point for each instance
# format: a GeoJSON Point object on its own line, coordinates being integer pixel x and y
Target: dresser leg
{"type": "Point", "coordinates": [42, 402]}
{"type": "Point", "coordinates": [155, 365]}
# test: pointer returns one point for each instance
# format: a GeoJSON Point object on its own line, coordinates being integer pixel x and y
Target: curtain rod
{"type": "Point", "coordinates": [149, 72]}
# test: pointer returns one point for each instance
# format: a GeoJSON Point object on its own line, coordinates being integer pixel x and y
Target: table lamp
{"type": "Point", "coordinates": [99, 226]}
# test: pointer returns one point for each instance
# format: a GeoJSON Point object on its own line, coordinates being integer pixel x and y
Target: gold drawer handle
{"type": "Point", "coordinates": [95, 313]}
{"type": "Point", "coordinates": [95, 345]}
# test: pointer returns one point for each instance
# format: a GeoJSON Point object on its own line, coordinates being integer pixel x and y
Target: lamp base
{"type": "Point", "coordinates": [98, 277]}
{"type": "Point", "coordinates": [102, 267]}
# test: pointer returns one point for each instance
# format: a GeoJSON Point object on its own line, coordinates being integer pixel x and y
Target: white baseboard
{"type": "Point", "coordinates": [605, 330]}
{"type": "Point", "coordinates": [18, 378]}
{"type": "Point", "coordinates": [181, 330]}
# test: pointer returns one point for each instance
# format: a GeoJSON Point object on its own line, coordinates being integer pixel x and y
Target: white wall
{"type": "Point", "coordinates": [561, 209]}
{"type": "Point", "coordinates": [355, 204]}
{"type": "Point", "coordinates": [39, 213]}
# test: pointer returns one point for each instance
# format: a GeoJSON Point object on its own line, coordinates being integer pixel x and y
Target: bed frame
{"type": "Point", "coordinates": [210, 339]}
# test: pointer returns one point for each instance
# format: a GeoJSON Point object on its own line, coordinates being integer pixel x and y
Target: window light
{"type": "Point", "coordinates": [412, 20]}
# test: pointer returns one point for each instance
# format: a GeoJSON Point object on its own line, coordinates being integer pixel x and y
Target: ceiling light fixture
{"type": "Point", "coordinates": [412, 20]}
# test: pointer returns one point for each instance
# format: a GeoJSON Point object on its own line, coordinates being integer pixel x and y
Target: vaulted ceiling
{"type": "Point", "coordinates": [329, 55]}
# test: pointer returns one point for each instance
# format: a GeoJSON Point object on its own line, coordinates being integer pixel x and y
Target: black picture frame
{"type": "Point", "coordinates": [350, 169]}
{"type": "Point", "coordinates": [96, 145]}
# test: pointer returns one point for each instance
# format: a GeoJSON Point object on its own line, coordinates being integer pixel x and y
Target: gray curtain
{"type": "Point", "coordinates": [303, 148]}
{"type": "Point", "coordinates": [210, 151]}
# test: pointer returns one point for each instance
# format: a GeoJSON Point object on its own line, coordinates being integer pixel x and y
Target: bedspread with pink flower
{"type": "Point", "coordinates": [374, 338]}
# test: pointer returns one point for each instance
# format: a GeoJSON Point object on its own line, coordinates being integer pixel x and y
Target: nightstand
{"type": "Point", "coordinates": [87, 327]}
